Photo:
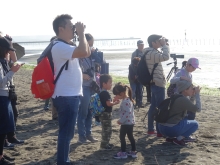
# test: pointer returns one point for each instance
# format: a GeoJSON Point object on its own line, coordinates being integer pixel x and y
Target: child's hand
{"type": "Point", "coordinates": [119, 122]}
{"type": "Point", "coordinates": [116, 102]}
{"type": "Point", "coordinates": [115, 98]}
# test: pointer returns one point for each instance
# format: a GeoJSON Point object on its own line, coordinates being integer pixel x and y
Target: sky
{"type": "Point", "coordinates": [115, 18]}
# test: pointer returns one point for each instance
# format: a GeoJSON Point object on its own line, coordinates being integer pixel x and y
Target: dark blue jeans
{"type": "Point", "coordinates": [158, 95]}
{"type": "Point", "coordinates": [67, 109]}
{"type": "Point", "coordinates": [84, 120]}
{"type": "Point", "coordinates": [184, 128]}
{"type": "Point", "coordinates": [137, 92]}
{"type": "Point", "coordinates": [7, 123]}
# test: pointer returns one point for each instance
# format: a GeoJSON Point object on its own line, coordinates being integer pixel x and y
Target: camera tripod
{"type": "Point", "coordinates": [173, 69]}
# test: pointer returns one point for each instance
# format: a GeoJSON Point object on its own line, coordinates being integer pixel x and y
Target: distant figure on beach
{"type": "Point", "coordinates": [84, 120]}
{"type": "Point", "coordinates": [106, 116]}
{"type": "Point", "coordinates": [137, 91]}
{"type": "Point", "coordinates": [136, 86]}
{"type": "Point", "coordinates": [185, 74]}
{"type": "Point", "coordinates": [177, 128]}
{"type": "Point", "coordinates": [7, 122]}
{"type": "Point", "coordinates": [126, 120]}
{"type": "Point", "coordinates": [159, 82]}
{"type": "Point", "coordinates": [68, 89]}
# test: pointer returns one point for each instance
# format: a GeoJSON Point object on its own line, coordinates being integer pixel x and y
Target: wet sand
{"type": "Point", "coordinates": [40, 134]}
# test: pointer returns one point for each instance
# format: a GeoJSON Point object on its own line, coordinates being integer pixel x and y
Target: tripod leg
{"type": "Point", "coordinates": [145, 116]}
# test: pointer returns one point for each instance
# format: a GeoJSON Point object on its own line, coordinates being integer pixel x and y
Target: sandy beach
{"type": "Point", "coordinates": [40, 134]}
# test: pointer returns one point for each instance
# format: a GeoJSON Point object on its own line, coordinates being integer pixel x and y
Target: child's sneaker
{"type": "Point", "coordinates": [108, 147]}
{"type": "Point", "coordinates": [133, 154]}
{"type": "Point", "coordinates": [120, 155]}
{"type": "Point", "coordinates": [97, 123]}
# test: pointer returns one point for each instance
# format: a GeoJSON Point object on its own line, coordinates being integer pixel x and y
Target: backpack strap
{"type": "Point", "coordinates": [64, 65]}
{"type": "Point", "coordinates": [61, 69]}
{"type": "Point", "coordinates": [155, 65]}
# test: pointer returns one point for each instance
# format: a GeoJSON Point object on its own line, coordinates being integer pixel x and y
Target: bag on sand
{"type": "Point", "coordinates": [163, 110]}
{"type": "Point", "coordinates": [43, 83]}
{"type": "Point", "coordinates": [95, 105]}
{"type": "Point", "coordinates": [144, 76]}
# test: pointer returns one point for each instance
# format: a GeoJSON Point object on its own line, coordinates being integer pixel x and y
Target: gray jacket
{"type": "Point", "coordinates": [4, 81]}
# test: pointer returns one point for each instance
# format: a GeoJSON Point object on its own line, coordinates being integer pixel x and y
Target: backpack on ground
{"type": "Point", "coordinates": [163, 110]}
{"type": "Point", "coordinates": [144, 76]}
{"type": "Point", "coordinates": [43, 83]}
{"type": "Point", "coordinates": [95, 105]}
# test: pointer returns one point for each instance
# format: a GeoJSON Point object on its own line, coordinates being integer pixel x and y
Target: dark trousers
{"type": "Point", "coordinates": [97, 118]}
{"type": "Point", "coordinates": [15, 112]}
{"type": "Point", "coordinates": [148, 90]}
{"type": "Point", "coordinates": [2, 141]}
{"type": "Point", "coordinates": [127, 130]}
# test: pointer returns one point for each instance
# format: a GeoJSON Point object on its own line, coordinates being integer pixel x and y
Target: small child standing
{"type": "Point", "coordinates": [106, 116]}
{"type": "Point", "coordinates": [127, 120]}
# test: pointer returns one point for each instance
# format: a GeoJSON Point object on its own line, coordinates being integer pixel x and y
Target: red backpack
{"type": "Point", "coordinates": [43, 83]}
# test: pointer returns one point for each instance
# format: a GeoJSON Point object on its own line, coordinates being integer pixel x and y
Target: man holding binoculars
{"type": "Point", "coordinates": [68, 89]}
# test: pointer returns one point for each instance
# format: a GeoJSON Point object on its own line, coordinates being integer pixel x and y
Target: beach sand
{"type": "Point", "coordinates": [40, 134]}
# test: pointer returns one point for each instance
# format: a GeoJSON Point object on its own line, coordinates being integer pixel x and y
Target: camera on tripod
{"type": "Point", "coordinates": [174, 56]}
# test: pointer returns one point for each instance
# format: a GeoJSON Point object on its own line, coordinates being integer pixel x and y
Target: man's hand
{"type": "Point", "coordinates": [79, 28]}
{"type": "Point", "coordinates": [162, 42]}
{"type": "Point", "coordinates": [197, 89]}
{"type": "Point", "coordinates": [15, 67]}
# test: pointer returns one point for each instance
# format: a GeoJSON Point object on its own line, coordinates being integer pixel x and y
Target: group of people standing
{"type": "Point", "coordinates": [181, 123]}
{"type": "Point", "coordinates": [73, 91]}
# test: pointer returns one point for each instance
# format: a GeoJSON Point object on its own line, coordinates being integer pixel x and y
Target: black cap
{"type": "Point", "coordinates": [6, 44]}
{"type": "Point", "coordinates": [140, 42]}
{"type": "Point", "coordinates": [153, 38]}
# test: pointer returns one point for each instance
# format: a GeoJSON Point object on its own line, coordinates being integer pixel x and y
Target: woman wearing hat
{"type": "Point", "coordinates": [178, 128]}
{"type": "Point", "coordinates": [6, 114]}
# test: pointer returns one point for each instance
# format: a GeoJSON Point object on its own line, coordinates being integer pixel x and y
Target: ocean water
{"type": "Point", "coordinates": [207, 53]}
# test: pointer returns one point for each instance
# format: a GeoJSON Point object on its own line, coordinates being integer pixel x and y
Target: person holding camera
{"type": "Point", "coordinates": [185, 74]}
{"type": "Point", "coordinates": [178, 128]}
{"type": "Point", "coordinates": [7, 123]}
{"type": "Point", "coordinates": [84, 121]}
{"type": "Point", "coordinates": [68, 89]}
{"type": "Point", "coordinates": [158, 82]}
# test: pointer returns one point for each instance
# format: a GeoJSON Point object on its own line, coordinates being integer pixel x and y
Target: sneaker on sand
{"type": "Point", "coordinates": [14, 140]}
{"type": "Point", "coordinates": [120, 155]}
{"type": "Point", "coordinates": [189, 139]}
{"type": "Point", "coordinates": [108, 147]}
{"type": "Point", "coordinates": [91, 138]}
{"type": "Point", "coordinates": [180, 143]}
{"type": "Point", "coordinates": [170, 140]}
{"type": "Point", "coordinates": [152, 133]}
{"type": "Point", "coordinates": [132, 154]}
{"type": "Point", "coordinates": [111, 145]}
{"type": "Point", "coordinates": [83, 140]}
{"type": "Point", "coordinates": [8, 145]}
{"type": "Point", "coordinates": [97, 123]}
{"type": "Point", "coordinates": [159, 135]}
{"type": "Point", "coordinates": [3, 161]}
{"type": "Point", "coordinates": [8, 157]}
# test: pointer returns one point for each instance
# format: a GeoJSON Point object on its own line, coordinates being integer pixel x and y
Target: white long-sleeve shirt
{"type": "Point", "coordinates": [127, 112]}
